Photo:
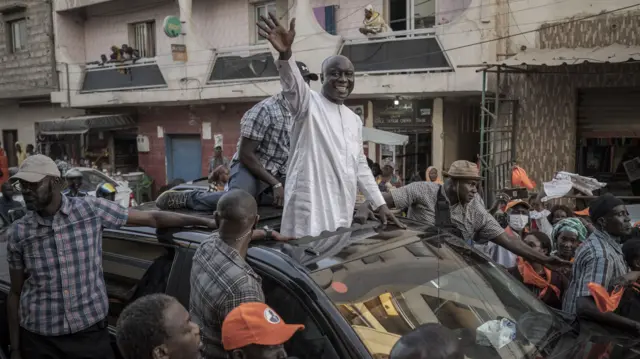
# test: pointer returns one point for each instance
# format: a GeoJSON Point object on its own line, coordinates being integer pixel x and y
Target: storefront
{"type": "Point", "coordinates": [106, 141]}
{"type": "Point", "coordinates": [413, 119]}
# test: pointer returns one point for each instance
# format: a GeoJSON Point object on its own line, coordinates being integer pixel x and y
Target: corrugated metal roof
{"type": "Point", "coordinates": [82, 124]}
{"type": "Point", "coordinates": [564, 56]}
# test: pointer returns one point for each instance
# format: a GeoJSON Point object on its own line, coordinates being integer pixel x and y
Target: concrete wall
{"type": "Point", "coordinates": [29, 72]}
{"type": "Point", "coordinates": [23, 119]}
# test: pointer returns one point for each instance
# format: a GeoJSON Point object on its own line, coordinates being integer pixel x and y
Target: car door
{"type": "Point", "coordinates": [134, 266]}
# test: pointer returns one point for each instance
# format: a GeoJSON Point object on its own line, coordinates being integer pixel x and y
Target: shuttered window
{"type": "Point", "coordinates": [144, 39]}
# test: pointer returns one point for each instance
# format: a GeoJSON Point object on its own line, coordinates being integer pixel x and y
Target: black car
{"type": "Point", "coordinates": [358, 290]}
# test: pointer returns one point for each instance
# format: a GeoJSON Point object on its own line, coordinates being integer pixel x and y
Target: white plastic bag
{"type": "Point", "coordinates": [496, 333]}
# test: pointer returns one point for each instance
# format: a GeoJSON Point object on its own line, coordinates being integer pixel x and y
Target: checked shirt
{"type": "Point", "coordinates": [221, 280]}
{"type": "Point", "coordinates": [64, 291]}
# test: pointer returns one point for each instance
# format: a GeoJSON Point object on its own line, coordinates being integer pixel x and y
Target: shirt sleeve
{"type": "Point", "coordinates": [255, 122]}
{"type": "Point", "coordinates": [111, 214]}
{"type": "Point", "coordinates": [14, 249]}
{"type": "Point", "coordinates": [295, 90]}
{"type": "Point", "coordinates": [485, 226]}
{"type": "Point", "coordinates": [411, 194]}
{"type": "Point", "coordinates": [591, 268]}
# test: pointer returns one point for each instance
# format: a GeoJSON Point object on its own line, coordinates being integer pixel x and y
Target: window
{"type": "Point", "coordinates": [143, 38]}
{"type": "Point", "coordinates": [17, 34]}
{"type": "Point", "coordinates": [92, 178]}
{"type": "Point", "coordinates": [263, 10]}
{"type": "Point", "coordinates": [133, 269]}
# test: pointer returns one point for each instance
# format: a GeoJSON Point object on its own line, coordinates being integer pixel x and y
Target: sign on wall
{"type": "Point", "coordinates": [179, 53]}
{"type": "Point", "coordinates": [172, 26]}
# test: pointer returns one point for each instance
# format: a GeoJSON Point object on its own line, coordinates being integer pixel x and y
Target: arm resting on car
{"type": "Point", "coordinates": [159, 219]}
{"type": "Point", "coordinates": [586, 308]}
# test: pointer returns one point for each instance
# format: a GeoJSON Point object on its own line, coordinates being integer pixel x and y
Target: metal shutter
{"type": "Point", "coordinates": [609, 112]}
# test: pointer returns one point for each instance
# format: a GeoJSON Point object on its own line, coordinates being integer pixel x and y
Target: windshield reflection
{"type": "Point", "coordinates": [384, 289]}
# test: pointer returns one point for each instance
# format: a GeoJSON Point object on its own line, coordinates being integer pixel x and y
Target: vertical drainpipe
{"type": "Point", "coordinates": [66, 70]}
{"type": "Point", "coordinates": [52, 54]}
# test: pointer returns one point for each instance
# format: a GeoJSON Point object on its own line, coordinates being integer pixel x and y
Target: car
{"type": "Point", "coordinates": [358, 290]}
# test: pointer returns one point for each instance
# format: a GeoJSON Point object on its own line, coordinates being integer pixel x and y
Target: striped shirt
{"type": "Point", "coordinates": [221, 280]}
{"type": "Point", "coordinates": [599, 260]}
{"type": "Point", "coordinates": [61, 256]}
{"type": "Point", "coordinates": [268, 123]}
{"type": "Point", "coordinates": [421, 198]}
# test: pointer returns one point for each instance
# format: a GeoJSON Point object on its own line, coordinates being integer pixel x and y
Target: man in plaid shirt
{"type": "Point", "coordinates": [58, 302]}
{"type": "Point", "coordinates": [259, 164]}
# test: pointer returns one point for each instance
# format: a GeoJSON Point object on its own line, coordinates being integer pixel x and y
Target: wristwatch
{"type": "Point", "coordinates": [277, 185]}
{"type": "Point", "coordinates": [268, 232]}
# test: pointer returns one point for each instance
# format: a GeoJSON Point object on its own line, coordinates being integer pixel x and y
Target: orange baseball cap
{"type": "Point", "coordinates": [516, 202]}
{"type": "Point", "coordinates": [255, 323]}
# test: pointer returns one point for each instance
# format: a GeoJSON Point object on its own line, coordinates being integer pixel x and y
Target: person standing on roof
{"type": "Point", "coordinates": [221, 279]}
{"type": "Point", "coordinates": [259, 165]}
{"type": "Point", "coordinates": [456, 204]}
{"type": "Point", "coordinates": [327, 165]}
{"type": "Point", "coordinates": [58, 303]}
{"type": "Point", "coordinates": [74, 182]}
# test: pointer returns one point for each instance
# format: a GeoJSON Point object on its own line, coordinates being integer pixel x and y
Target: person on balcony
{"type": "Point", "coordinates": [259, 166]}
{"type": "Point", "coordinates": [327, 165]}
{"type": "Point", "coordinates": [373, 22]}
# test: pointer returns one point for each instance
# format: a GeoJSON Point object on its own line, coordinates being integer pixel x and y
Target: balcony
{"type": "Point", "coordinates": [120, 76]}
{"type": "Point", "coordinates": [243, 64]}
{"type": "Point", "coordinates": [66, 5]}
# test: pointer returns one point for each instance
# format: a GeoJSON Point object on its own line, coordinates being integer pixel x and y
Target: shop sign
{"type": "Point", "coordinates": [172, 26]}
{"type": "Point", "coordinates": [179, 53]}
{"type": "Point", "coordinates": [406, 114]}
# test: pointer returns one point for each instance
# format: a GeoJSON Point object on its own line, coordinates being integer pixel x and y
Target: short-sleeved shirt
{"type": "Point", "coordinates": [221, 280]}
{"type": "Point", "coordinates": [599, 260]}
{"type": "Point", "coordinates": [421, 199]}
{"type": "Point", "coordinates": [64, 290]}
{"type": "Point", "coordinates": [269, 123]}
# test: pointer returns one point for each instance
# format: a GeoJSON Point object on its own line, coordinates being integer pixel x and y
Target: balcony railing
{"type": "Point", "coordinates": [121, 76]}
{"type": "Point", "coordinates": [397, 52]}
{"type": "Point", "coordinates": [240, 64]}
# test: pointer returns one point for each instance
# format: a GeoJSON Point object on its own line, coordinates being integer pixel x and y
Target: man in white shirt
{"type": "Point", "coordinates": [327, 165]}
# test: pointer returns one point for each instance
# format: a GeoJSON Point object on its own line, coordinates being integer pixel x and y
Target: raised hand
{"type": "Point", "coordinates": [280, 38]}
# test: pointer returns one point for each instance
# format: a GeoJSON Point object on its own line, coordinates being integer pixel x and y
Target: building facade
{"type": "Point", "coordinates": [27, 72]}
{"type": "Point", "coordinates": [188, 90]}
{"type": "Point", "coordinates": [570, 76]}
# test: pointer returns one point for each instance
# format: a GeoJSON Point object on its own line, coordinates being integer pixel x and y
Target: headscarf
{"type": "Point", "coordinates": [573, 225]}
{"type": "Point", "coordinates": [438, 180]}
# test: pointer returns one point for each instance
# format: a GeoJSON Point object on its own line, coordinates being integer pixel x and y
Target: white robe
{"type": "Point", "coordinates": [326, 161]}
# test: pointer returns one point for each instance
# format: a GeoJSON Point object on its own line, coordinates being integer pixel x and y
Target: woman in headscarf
{"type": "Point", "coordinates": [373, 23]}
{"type": "Point", "coordinates": [20, 153]}
{"type": "Point", "coordinates": [432, 175]}
{"type": "Point", "coordinates": [568, 234]}
{"type": "Point", "coordinates": [547, 285]}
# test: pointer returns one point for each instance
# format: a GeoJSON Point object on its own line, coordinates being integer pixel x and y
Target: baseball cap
{"type": "Point", "coordinates": [35, 168]}
{"type": "Point", "coordinates": [304, 70]}
{"type": "Point", "coordinates": [517, 202]}
{"type": "Point", "coordinates": [255, 323]}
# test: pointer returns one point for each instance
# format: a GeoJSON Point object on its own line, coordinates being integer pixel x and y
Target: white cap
{"type": "Point", "coordinates": [35, 168]}
{"type": "Point", "coordinates": [368, 7]}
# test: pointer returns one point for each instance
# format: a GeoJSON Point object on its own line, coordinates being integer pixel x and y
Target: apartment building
{"type": "Point", "coordinates": [27, 72]}
{"type": "Point", "coordinates": [202, 64]}
{"type": "Point", "coordinates": [569, 88]}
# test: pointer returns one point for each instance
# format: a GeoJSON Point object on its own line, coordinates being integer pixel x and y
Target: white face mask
{"type": "Point", "coordinates": [518, 221]}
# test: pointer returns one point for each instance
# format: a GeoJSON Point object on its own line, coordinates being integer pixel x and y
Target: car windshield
{"type": "Point", "coordinates": [386, 287]}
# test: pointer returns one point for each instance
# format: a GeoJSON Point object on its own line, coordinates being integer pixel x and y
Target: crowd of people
{"type": "Point", "coordinates": [300, 150]}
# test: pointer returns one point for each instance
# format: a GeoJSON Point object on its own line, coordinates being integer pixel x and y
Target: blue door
{"type": "Point", "coordinates": [184, 157]}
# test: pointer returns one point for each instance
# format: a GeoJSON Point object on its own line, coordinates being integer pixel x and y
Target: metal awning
{"type": "Point", "coordinates": [615, 53]}
{"type": "Point", "coordinates": [383, 137]}
{"type": "Point", "coordinates": [82, 124]}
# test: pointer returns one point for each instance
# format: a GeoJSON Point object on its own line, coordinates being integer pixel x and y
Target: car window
{"type": "Point", "coordinates": [387, 294]}
{"type": "Point", "coordinates": [91, 180]}
{"type": "Point", "coordinates": [310, 343]}
{"type": "Point", "coordinates": [133, 269]}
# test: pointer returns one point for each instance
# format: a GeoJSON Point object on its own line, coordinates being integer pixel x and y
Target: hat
{"type": "Point", "coordinates": [304, 70]}
{"type": "Point", "coordinates": [35, 168]}
{"type": "Point", "coordinates": [255, 323]}
{"type": "Point", "coordinates": [463, 170]}
{"type": "Point", "coordinates": [517, 202]}
{"type": "Point", "coordinates": [602, 205]}
{"type": "Point", "coordinates": [368, 7]}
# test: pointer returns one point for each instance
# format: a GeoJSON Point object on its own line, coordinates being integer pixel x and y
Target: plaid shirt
{"type": "Point", "coordinates": [64, 291]}
{"type": "Point", "coordinates": [269, 123]}
{"type": "Point", "coordinates": [599, 259]}
{"type": "Point", "coordinates": [220, 281]}
{"type": "Point", "coordinates": [421, 199]}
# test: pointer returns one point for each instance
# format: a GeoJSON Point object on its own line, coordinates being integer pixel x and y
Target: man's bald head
{"type": "Point", "coordinates": [237, 205]}
{"type": "Point", "coordinates": [338, 78]}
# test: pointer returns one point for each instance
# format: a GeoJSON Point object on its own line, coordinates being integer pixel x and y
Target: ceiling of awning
{"type": "Point", "coordinates": [82, 124]}
{"type": "Point", "coordinates": [383, 137]}
{"type": "Point", "coordinates": [615, 53]}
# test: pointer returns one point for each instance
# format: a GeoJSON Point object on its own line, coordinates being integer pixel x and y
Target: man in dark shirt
{"type": "Point", "coordinates": [7, 203]}
{"type": "Point", "coordinates": [74, 182]}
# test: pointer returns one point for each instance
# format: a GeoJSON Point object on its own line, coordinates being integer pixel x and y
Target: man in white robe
{"type": "Point", "coordinates": [327, 165]}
